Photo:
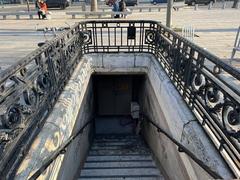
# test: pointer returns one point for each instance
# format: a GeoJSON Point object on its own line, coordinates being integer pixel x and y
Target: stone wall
{"type": "Point", "coordinates": [77, 151]}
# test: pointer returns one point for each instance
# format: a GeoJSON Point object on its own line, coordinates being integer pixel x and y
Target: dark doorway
{"type": "Point", "coordinates": [114, 95]}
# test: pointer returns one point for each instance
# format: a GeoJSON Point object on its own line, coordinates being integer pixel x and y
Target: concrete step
{"type": "Point", "coordinates": [142, 164]}
{"type": "Point", "coordinates": [118, 157]}
{"type": "Point", "coordinates": [120, 172]}
{"type": "Point", "coordinates": [109, 158]}
{"type": "Point", "coordinates": [124, 178]}
{"type": "Point", "coordinates": [116, 143]}
{"type": "Point", "coordinates": [113, 147]}
{"type": "Point", "coordinates": [117, 138]}
{"type": "Point", "coordinates": [123, 151]}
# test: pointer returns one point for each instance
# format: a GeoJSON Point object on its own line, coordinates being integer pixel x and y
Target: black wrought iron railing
{"type": "Point", "coordinates": [29, 90]}
{"type": "Point", "coordinates": [209, 86]}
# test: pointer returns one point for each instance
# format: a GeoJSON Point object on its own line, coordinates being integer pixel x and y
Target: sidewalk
{"type": "Point", "coordinates": [216, 30]}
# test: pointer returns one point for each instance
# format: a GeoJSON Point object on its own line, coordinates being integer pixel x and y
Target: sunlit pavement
{"type": "Point", "coordinates": [215, 29]}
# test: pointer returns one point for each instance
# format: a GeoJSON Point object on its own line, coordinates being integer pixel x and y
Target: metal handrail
{"type": "Point", "coordinates": [60, 150]}
{"type": "Point", "coordinates": [182, 148]}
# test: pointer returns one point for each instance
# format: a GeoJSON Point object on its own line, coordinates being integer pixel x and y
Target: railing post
{"type": "Point", "coordinates": [169, 13]}
{"type": "Point", "coordinates": [188, 70]}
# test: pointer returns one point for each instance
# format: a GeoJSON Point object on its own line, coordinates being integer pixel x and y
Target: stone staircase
{"type": "Point", "coordinates": [118, 157]}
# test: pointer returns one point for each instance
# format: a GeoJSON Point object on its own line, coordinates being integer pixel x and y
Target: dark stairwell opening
{"type": "Point", "coordinates": [118, 150]}
{"type": "Point", "coordinates": [114, 96]}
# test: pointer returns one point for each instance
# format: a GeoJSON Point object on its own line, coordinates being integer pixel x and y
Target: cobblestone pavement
{"type": "Point", "coordinates": [215, 30]}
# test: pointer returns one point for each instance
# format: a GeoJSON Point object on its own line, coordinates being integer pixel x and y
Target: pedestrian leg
{"type": "Point", "coordinates": [39, 15]}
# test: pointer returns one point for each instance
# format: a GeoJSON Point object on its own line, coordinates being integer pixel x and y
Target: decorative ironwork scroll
{"type": "Point", "coordinates": [29, 90]}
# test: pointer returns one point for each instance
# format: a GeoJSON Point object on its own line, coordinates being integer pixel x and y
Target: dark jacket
{"type": "Point", "coordinates": [116, 6]}
{"type": "Point", "coordinates": [37, 5]}
{"type": "Point", "coordinates": [122, 6]}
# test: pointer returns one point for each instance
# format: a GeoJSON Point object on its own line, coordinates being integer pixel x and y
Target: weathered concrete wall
{"type": "Point", "coordinates": [78, 149]}
{"type": "Point", "coordinates": [123, 63]}
{"type": "Point", "coordinates": [58, 128]}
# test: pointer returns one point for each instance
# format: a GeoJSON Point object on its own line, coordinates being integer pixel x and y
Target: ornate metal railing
{"type": "Point", "coordinates": [209, 86]}
{"type": "Point", "coordinates": [29, 90]}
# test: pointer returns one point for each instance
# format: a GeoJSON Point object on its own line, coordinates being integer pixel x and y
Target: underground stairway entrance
{"type": "Point", "coordinates": [118, 119]}
{"type": "Point", "coordinates": [118, 151]}
{"type": "Point", "coordinates": [119, 100]}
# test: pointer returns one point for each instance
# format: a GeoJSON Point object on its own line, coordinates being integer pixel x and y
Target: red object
{"type": "Point", "coordinates": [43, 7]}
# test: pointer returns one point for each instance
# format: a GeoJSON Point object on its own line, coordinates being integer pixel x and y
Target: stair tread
{"type": "Point", "coordinates": [119, 164]}
{"type": "Point", "coordinates": [117, 136]}
{"type": "Point", "coordinates": [120, 172]}
{"type": "Point", "coordinates": [119, 158]}
{"type": "Point", "coordinates": [117, 139]}
{"type": "Point", "coordinates": [113, 147]}
{"type": "Point", "coordinates": [123, 178]}
{"type": "Point", "coordinates": [119, 152]}
{"type": "Point", "coordinates": [116, 143]}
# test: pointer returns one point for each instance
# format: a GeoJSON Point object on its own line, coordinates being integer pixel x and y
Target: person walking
{"type": "Point", "coordinates": [116, 8]}
{"type": "Point", "coordinates": [43, 7]}
{"type": "Point", "coordinates": [38, 8]}
{"type": "Point", "coordinates": [122, 7]}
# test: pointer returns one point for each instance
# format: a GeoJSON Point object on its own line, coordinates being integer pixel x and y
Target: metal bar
{"type": "Point", "coordinates": [182, 148]}
{"type": "Point", "coordinates": [58, 151]}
